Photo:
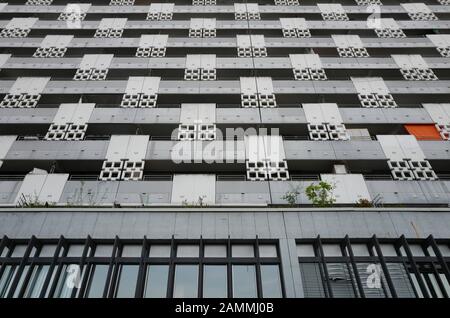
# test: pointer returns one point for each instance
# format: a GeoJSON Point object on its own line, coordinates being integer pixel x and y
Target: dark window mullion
{"type": "Point", "coordinates": [323, 267]}
{"type": "Point", "coordinates": [414, 266]}
{"type": "Point", "coordinates": [259, 289]}
{"type": "Point", "coordinates": [110, 284]}
{"type": "Point", "coordinates": [386, 273]}
{"type": "Point", "coordinates": [20, 270]}
{"type": "Point", "coordinates": [444, 267]}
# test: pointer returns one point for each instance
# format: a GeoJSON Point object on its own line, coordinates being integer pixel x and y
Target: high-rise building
{"type": "Point", "coordinates": [272, 148]}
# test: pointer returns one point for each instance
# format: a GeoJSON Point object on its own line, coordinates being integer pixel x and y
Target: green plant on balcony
{"type": "Point", "coordinates": [320, 194]}
{"type": "Point", "coordinates": [291, 197]}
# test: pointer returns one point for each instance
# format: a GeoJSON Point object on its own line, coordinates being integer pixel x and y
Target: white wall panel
{"type": "Point", "coordinates": [58, 41]}
{"type": "Point", "coordinates": [349, 188]}
{"type": "Point", "coordinates": [5, 144]}
{"type": "Point", "coordinates": [209, 23]}
{"type": "Point", "coordinates": [257, 40]}
{"type": "Point", "coordinates": [134, 85]}
{"type": "Point", "coordinates": [410, 147]}
{"type": "Point", "coordinates": [150, 85]}
{"type": "Point", "coordinates": [208, 61]}
{"type": "Point", "coordinates": [29, 85]}
{"type": "Point", "coordinates": [254, 148]}
{"type": "Point", "coordinates": [3, 59]}
{"type": "Point", "coordinates": [264, 85]}
{"type": "Point", "coordinates": [410, 61]}
{"type": "Point", "coordinates": [243, 40]}
{"type": "Point", "coordinates": [193, 61]}
{"type": "Point", "coordinates": [21, 23]}
{"type": "Point", "coordinates": [274, 148]}
{"type": "Point", "coordinates": [439, 113]}
{"type": "Point", "coordinates": [391, 147]}
{"type": "Point", "coordinates": [189, 113]}
{"type": "Point", "coordinates": [439, 40]}
{"type": "Point", "coordinates": [137, 147]}
{"type": "Point", "coordinates": [77, 7]}
{"type": "Point", "coordinates": [53, 187]}
{"type": "Point", "coordinates": [74, 113]}
{"type": "Point", "coordinates": [248, 85]}
{"type": "Point", "coordinates": [117, 148]}
{"type": "Point", "coordinates": [313, 113]}
{"type": "Point", "coordinates": [188, 188]}
{"type": "Point", "coordinates": [330, 8]}
{"type": "Point", "coordinates": [42, 187]}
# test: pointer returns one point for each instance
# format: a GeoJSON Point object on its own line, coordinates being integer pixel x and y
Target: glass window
{"type": "Point", "coordinates": [23, 275]}
{"type": "Point", "coordinates": [360, 250]}
{"type": "Point", "coordinates": [445, 283]}
{"type": "Point", "coordinates": [156, 282]}
{"type": "Point", "coordinates": [4, 252]}
{"type": "Point", "coordinates": [444, 249]}
{"type": "Point", "coordinates": [387, 250]}
{"type": "Point", "coordinates": [416, 250]}
{"type": "Point", "coordinates": [340, 280]}
{"type": "Point", "coordinates": [19, 251]}
{"type": "Point", "coordinates": [188, 251]}
{"type": "Point", "coordinates": [97, 281]}
{"type": "Point", "coordinates": [36, 281]}
{"type": "Point", "coordinates": [271, 281]}
{"type": "Point", "coordinates": [331, 250]}
{"type": "Point", "coordinates": [244, 281]}
{"type": "Point", "coordinates": [215, 281]}
{"type": "Point", "coordinates": [75, 250]}
{"type": "Point", "coordinates": [69, 279]}
{"type": "Point", "coordinates": [305, 250]}
{"type": "Point", "coordinates": [126, 287]}
{"type": "Point", "coordinates": [212, 250]}
{"type": "Point", "coordinates": [6, 279]}
{"type": "Point", "coordinates": [242, 251]}
{"type": "Point", "coordinates": [186, 281]}
{"type": "Point", "coordinates": [160, 251]}
{"type": "Point", "coordinates": [103, 250]}
{"type": "Point", "coordinates": [131, 251]}
{"type": "Point", "coordinates": [47, 250]}
{"type": "Point", "coordinates": [434, 285]}
{"type": "Point", "coordinates": [267, 250]}
{"type": "Point", "coordinates": [312, 280]}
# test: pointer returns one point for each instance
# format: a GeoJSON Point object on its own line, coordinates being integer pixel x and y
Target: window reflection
{"type": "Point", "coordinates": [36, 282]}
{"type": "Point", "coordinates": [271, 282]}
{"type": "Point", "coordinates": [156, 282]}
{"type": "Point", "coordinates": [214, 281]}
{"type": "Point", "coordinates": [6, 280]}
{"type": "Point", "coordinates": [69, 280]}
{"type": "Point", "coordinates": [244, 281]}
{"type": "Point", "coordinates": [97, 281]}
{"type": "Point", "coordinates": [186, 281]}
{"type": "Point", "coordinates": [127, 280]}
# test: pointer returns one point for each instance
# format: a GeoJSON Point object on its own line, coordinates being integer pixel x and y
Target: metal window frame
{"type": "Point", "coordinates": [438, 264]}
{"type": "Point", "coordinates": [87, 261]}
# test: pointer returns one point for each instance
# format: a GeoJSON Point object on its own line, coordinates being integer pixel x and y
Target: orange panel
{"type": "Point", "coordinates": [423, 132]}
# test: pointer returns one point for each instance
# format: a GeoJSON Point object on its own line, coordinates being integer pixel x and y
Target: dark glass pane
{"type": "Point", "coordinates": [36, 281]}
{"type": "Point", "coordinates": [6, 280]}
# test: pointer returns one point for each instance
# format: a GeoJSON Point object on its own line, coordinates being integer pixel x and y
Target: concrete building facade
{"type": "Point", "coordinates": [166, 149]}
